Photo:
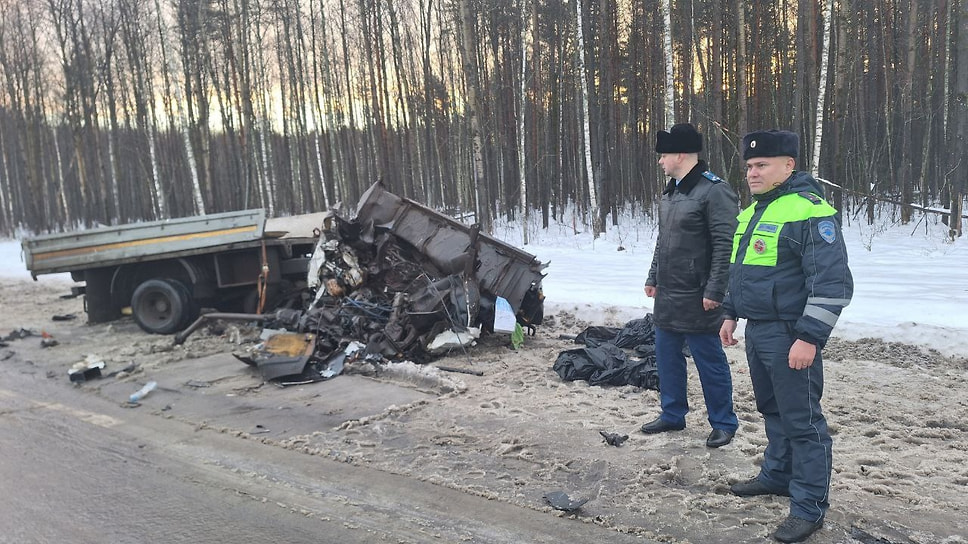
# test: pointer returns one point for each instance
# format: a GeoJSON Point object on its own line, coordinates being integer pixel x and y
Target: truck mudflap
{"type": "Point", "coordinates": [108, 246]}
{"type": "Point", "coordinates": [499, 268]}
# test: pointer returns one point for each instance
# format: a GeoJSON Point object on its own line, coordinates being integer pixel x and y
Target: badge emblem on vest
{"type": "Point", "coordinates": [827, 231]}
{"type": "Point", "coordinates": [759, 245]}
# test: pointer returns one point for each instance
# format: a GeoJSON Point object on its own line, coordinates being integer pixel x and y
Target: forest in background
{"type": "Point", "coordinates": [114, 111]}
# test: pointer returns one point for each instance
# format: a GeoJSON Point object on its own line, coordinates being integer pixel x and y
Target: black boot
{"type": "Point", "coordinates": [794, 529]}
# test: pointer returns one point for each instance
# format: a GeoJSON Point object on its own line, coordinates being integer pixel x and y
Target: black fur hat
{"type": "Point", "coordinates": [682, 138]}
{"type": "Point", "coordinates": [771, 143]}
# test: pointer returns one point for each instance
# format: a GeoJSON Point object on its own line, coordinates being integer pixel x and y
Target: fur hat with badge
{"type": "Point", "coordinates": [681, 138]}
{"type": "Point", "coordinates": [771, 143]}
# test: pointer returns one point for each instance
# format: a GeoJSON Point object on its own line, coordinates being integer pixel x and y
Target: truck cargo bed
{"type": "Point", "coordinates": [136, 242]}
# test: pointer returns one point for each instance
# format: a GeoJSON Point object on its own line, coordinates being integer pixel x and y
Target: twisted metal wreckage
{"type": "Point", "coordinates": [399, 281]}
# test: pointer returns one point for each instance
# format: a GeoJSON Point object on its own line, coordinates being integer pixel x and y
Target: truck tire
{"type": "Point", "coordinates": [162, 306]}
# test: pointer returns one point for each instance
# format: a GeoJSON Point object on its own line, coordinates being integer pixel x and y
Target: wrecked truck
{"type": "Point", "coordinates": [397, 277]}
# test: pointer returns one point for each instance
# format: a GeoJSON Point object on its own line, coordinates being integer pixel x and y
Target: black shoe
{"type": "Point", "coordinates": [660, 426]}
{"type": "Point", "coordinates": [754, 487]}
{"type": "Point", "coordinates": [719, 438]}
{"type": "Point", "coordinates": [794, 529]}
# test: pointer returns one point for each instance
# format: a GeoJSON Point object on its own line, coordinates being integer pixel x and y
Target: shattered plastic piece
{"type": "Point", "coordinates": [450, 339]}
{"type": "Point", "coordinates": [281, 354]}
{"type": "Point", "coordinates": [128, 368]}
{"type": "Point", "coordinates": [334, 366]}
{"type": "Point", "coordinates": [614, 439]}
{"type": "Point", "coordinates": [517, 337]}
{"type": "Point", "coordinates": [18, 334]}
{"type": "Point", "coordinates": [504, 321]}
{"type": "Point", "coordinates": [47, 340]}
{"type": "Point", "coordinates": [64, 317]}
{"type": "Point", "coordinates": [141, 393]}
{"type": "Point", "coordinates": [85, 370]}
{"type": "Point", "coordinates": [269, 333]}
{"type": "Point", "coordinates": [559, 500]}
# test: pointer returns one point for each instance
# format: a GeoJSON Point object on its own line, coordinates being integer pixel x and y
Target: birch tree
{"type": "Point", "coordinates": [586, 131]}
{"type": "Point", "coordinates": [468, 48]}
{"type": "Point", "coordinates": [522, 101]}
{"type": "Point", "coordinates": [822, 88]}
{"type": "Point", "coordinates": [669, 55]}
{"type": "Point", "coordinates": [742, 92]}
{"type": "Point", "coordinates": [6, 188]}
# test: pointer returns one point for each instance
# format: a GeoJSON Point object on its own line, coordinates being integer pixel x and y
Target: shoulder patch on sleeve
{"type": "Point", "coordinates": [811, 197]}
{"type": "Point", "coordinates": [711, 177]}
{"type": "Point", "coordinates": [827, 231]}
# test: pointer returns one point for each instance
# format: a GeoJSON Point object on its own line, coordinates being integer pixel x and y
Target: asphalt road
{"type": "Point", "coordinates": [82, 468]}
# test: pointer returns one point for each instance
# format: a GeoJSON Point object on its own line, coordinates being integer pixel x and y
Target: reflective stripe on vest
{"type": "Point", "coordinates": [763, 244]}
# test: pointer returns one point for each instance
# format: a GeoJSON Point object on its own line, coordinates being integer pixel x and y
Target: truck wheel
{"type": "Point", "coordinates": [161, 306]}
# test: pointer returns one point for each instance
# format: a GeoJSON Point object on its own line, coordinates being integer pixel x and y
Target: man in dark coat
{"type": "Point", "coordinates": [688, 278]}
{"type": "Point", "coordinates": [789, 279]}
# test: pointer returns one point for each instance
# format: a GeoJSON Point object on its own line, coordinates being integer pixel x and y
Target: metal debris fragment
{"type": "Point", "coordinates": [613, 439]}
{"type": "Point", "coordinates": [559, 500]}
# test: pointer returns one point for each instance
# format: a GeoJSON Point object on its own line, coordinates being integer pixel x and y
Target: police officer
{"type": "Point", "coordinates": [789, 279]}
{"type": "Point", "coordinates": [697, 217]}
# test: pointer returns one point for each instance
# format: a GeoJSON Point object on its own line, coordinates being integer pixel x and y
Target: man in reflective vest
{"type": "Point", "coordinates": [789, 279]}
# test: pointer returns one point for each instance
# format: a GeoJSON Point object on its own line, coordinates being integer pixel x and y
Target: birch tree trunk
{"type": "Point", "coordinates": [267, 183]}
{"type": "Point", "coordinates": [468, 45]}
{"type": "Point", "coordinates": [161, 204]}
{"type": "Point", "coordinates": [822, 88]}
{"type": "Point", "coordinates": [586, 131]}
{"type": "Point", "coordinates": [522, 102]}
{"type": "Point", "coordinates": [59, 172]}
{"type": "Point", "coordinates": [670, 94]}
{"type": "Point", "coordinates": [741, 91]}
{"type": "Point", "coordinates": [905, 166]}
{"type": "Point", "coordinates": [6, 209]}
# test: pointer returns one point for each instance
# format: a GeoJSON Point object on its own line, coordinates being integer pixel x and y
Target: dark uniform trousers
{"type": "Point", "coordinates": [798, 457]}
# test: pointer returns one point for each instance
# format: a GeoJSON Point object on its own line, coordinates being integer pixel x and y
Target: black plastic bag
{"type": "Point", "coordinates": [607, 364]}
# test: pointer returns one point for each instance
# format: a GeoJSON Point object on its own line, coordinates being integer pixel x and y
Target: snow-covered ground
{"type": "Point", "coordinates": [910, 282]}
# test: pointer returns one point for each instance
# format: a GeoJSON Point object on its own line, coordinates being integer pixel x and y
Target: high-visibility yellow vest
{"type": "Point", "coordinates": [789, 208]}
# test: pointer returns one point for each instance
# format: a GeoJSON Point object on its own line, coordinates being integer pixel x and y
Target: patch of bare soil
{"type": "Point", "coordinates": [898, 416]}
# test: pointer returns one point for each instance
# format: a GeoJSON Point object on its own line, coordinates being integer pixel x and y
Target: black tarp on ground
{"type": "Point", "coordinates": [603, 361]}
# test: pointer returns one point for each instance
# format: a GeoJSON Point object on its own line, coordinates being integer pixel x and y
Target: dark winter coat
{"type": "Point", "coordinates": [790, 261]}
{"type": "Point", "coordinates": [697, 220]}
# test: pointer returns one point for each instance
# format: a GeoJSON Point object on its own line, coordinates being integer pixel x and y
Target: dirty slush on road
{"type": "Point", "coordinates": [494, 419]}
{"type": "Point", "coordinates": [517, 431]}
